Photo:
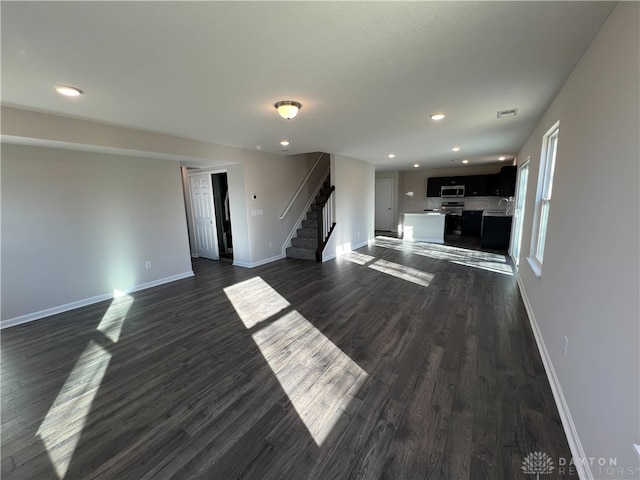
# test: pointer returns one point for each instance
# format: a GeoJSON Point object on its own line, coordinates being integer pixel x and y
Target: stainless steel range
{"type": "Point", "coordinates": [453, 221]}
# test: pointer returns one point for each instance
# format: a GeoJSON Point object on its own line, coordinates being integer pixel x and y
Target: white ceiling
{"type": "Point", "coordinates": [368, 74]}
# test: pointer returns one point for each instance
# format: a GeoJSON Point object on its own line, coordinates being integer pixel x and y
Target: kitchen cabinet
{"type": "Point", "coordinates": [433, 186]}
{"type": "Point", "coordinates": [496, 232]}
{"type": "Point", "coordinates": [508, 181]}
{"type": "Point", "coordinates": [476, 185]}
{"type": "Point", "coordinates": [471, 222]}
{"type": "Point", "coordinates": [493, 184]}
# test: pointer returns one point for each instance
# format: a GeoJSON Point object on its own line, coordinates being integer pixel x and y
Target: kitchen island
{"type": "Point", "coordinates": [424, 227]}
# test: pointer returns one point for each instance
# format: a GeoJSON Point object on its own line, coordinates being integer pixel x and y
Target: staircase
{"type": "Point", "coordinates": [305, 244]}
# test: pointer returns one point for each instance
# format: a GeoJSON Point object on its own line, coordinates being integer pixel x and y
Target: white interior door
{"type": "Point", "coordinates": [204, 222]}
{"type": "Point", "coordinates": [384, 204]}
{"type": "Point", "coordinates": [518, 214]}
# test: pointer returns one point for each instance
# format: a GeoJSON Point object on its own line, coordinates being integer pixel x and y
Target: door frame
{"type": "Point", "coordinates": [516, 233]}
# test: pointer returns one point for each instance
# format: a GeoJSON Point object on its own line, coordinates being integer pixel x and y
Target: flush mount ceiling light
{"type": "Point", "coordinates": [287, 108]}
{"type": "Point", "coordinates": [465, 161]}
{"type": "Point", "coordinates": [392, 155]}
{"type": "Point", "coordinates": [416, 165]}
{"type": "Point", "coordinates": [437, 116]}
{"type": "Point", "coordinates": [502, 159]}
{"type": "Point", "coordinates": [284, 143]}
{"type": "Point", "coordinates": [455, 149]}
{"type": "Point", "coordinates": [68, 90]}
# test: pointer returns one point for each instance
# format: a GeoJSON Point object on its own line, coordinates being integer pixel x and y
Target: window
{"type": "Point", "coordinates": [543, 204]}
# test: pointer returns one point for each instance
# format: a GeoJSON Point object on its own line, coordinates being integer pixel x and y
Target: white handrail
{"type": "Point", "coordinates": [295, 195]}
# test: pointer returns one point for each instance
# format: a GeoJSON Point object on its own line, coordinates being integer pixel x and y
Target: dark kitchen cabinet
{"type": "Point", "coordinates": [496, 232]}
{"type": "Point", "coordinates": [493, 184]}
{"type": "Point", "coordinates": [471, 222]}
{"type": "Point", "coordinates": [433, 186]}
{"type": "Point", "coordinates": [508, 181]}
{"type": "Point", "coordinates": [476, 186]}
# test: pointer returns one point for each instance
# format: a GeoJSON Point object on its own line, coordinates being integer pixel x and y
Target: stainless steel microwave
{"type": "Point", "coordinates": [452, 191]}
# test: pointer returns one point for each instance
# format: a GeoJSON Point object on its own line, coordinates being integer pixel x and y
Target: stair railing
{"type": "Point", "coordinates": [326, 222]}
{"type": "Point", "coordinates": [302, 185]}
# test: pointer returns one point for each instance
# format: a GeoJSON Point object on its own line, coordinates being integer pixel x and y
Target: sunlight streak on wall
{"type": "Point", "coordinates": [113, 319]}
{"type": "Point", "coordinates": [255, 301]}
{"type": "Point", "coordinates": [61, 429]}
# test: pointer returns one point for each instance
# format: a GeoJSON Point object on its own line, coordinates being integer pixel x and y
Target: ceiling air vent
{"type": "Point", "coordinates": [507, 113]}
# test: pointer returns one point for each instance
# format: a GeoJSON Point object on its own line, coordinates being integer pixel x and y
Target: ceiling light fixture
{"type": "Point", "coordinates": [68, 90]}
{"type": "Point", "coordinates": [416, 165]}
{"type": "Point", "coordinates": [284, 143]}
{"type": "Point", "coordinates": [502, 159]}
{"type": "Point", "coordinates": [437, 116]}
{"type": "Point", "coordinates": [392, 155]}
{"type": "Point", "coordinates": [455, 149]}
{"type": "Point", "coordinates": [287, 108]}
{"type": "Point", "coordinates": [465, 161]}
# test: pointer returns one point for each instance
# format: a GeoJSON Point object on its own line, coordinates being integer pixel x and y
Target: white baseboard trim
{"type": "Point", "coordinates": [30, 317]}
{"type": "Point", "coordinates": [577, 452]}
{"type": "Point", "coordinates": [258, 263]}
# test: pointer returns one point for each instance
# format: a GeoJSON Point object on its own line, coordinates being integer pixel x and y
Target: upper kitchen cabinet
{"type": "Point", "coordinates": [508, 181]}
{"type": "Point", "coordinates": [476, 185]}
{"type": "Point", "coordinates": [433, 186]}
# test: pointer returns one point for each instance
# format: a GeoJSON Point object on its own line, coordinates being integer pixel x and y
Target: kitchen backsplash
{"type": "Point", "coordinates": [474, 203]}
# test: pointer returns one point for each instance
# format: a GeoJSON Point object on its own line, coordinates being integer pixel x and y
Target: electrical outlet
{"type": "Point", "coordinates": [147, 264]}
{"type": "Point", "coordinates": [565, 345]}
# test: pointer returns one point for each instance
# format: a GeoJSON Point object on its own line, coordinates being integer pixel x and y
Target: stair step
{"type": "Point", "coordinates": [303, 242]}
{"type": "Point", "coordinates": [307, 232]}
{"type": "Point", "coordinates": [313, 223]}
{"type": "Point", "coordinates": [312, 215]}
{"type": "Point", "coordinates": [301, 253]}
{"type": "Point", "coordinates": [325, 192]}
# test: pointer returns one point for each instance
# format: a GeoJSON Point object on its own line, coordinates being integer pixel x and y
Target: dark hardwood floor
{"type": "Point", "coordinates": [397, 361]}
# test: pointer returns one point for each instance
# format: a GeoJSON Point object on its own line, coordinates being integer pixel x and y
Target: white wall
{"type": "Point", "coordinates": [354, 205]}
{"type": "Point", "coordinates": [590, 285]}
{"type": "Point", "coordinates": [77, 225]}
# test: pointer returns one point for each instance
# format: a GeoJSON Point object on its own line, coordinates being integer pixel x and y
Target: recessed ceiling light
{"type": "Point", "coordinates": [258, 147]}
{"type": "Point", "coordinates": [437, 116]}
{"type": "Point", "coordinates": [465, 161]}
{"type": "Point", "coordinates": [502, 159]}
{"type": "Point", "coordinates": [392, 155]}
{"type": "Point", "coordinates": [455, 149]}
{"type": "Point", "coordinates": [68, 90]}
{"type": "Point", "coordinates": [284, 143]}
{"type": "Point", "coordinates": [416, 165]}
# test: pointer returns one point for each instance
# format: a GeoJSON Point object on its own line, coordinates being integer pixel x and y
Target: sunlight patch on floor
{"type": "Point", "coordinates": [113, 320]}
{"type": "Point", "coordinates": [491, 262]}
{"type": "Point", "coordinates": [62, 427]}
{"type": "Point", "coordinates": [255, 301]}
{"type": "Point", "coordinates": [403, 272]}
{"type": "Point", "coordinates": [317, 377]}
{"type": "Point", "coordinates": [315, 374]}
{"type": "Point", "coordinates": [359, 258]}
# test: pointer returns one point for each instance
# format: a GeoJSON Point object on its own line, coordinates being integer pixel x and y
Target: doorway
{"type": "Point", "coordinates": [223, 215]}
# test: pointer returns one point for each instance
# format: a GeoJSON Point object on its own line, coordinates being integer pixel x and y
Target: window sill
{"type": "Point", "coordinates": [535, 265]}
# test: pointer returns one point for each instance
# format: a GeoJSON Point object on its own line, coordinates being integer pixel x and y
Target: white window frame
{"type": "Point", "coordinates": [548, 157]}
